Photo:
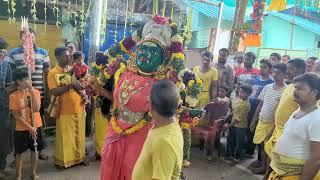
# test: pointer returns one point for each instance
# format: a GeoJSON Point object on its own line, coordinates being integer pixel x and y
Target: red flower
{"type": "Point", "coordinates": [160, 20]}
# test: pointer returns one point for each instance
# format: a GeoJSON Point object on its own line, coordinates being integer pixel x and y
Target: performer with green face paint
{"type": "Point", "coordinates": [133, 80]}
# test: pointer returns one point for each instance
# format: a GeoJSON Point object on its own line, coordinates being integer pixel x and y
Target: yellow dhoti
{"type": "Point", "coordinates": [270, 145]}
{"type": "Point", "coordinates": [70, 140]}
{"type": "Point", "coordinates": [101, 127]}
{"type": "Point", "coordinates": [286, 168]}
{"type": "Point", "coordinates": [263, 129]}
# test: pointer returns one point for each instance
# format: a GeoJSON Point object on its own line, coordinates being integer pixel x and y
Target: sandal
{"type": "Point", "coordinates": [43, 157]}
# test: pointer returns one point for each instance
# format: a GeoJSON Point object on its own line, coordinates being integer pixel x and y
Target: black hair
{"type": "Point", "coordinates": [165, 98]}
{"type": "Point", "coordinates": [266, 62]}
{"type": "Point", "coordinates": [251, 56]}
{"type": "Point", "coordinates": [30, 30]}
{"type": "Point", "coordinates": [3, 43]}
{"type": "Point", "coordinates": [69, 42]}
{"type": "Point", "coordinates": [18, 75]}
{"type": "Point", "coordinates": [282, 67]}
{"type": "Point", "coordinates": [224, 50]}
{"type": "Point", "coordinates": [58, 52]}
{"type": "Point", "coordinates": [78, 55]}
{"type": "Point", "coordinates": [286, 55]}
{"type": "Point", "coordinates": [247, 89]}
{"type": "Point", "coordinates": [277, 55]}
{"type": "Point", "coordinates": [313, 58]}
{"type": "Point", "coordinates": [312, 80]}
{"type": "Point", "coordinates": [208, 55]}
{"type": "Point", "coordinates": [299, 64]}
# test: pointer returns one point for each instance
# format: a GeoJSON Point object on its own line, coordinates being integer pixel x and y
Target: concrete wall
{"type": "Point", "coordinates": [201, 27]}
{"type": "Point", "coordinates": [276, 33]}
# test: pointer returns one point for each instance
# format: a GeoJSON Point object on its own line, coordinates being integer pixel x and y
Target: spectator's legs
{"type": "Point", "coordinates": [240, 142]}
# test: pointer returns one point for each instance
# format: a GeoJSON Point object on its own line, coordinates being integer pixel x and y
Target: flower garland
{"type": "Point", "coordinates": [45, 15]}
{"type": "Point", "coordinates": [13, 9]}
{"type": "Point", "coordinates": [194, 84]}
{"type": "Point", "coordinates": [104, 22]}
{"type": "Point", "coordinates": [82, 18]}
{"type": "Point", "coordinates": [33, 11]}
{"type": "Point", "coordinates": [155, 7]}
{"type": "Point", "coordinates": [116, 30]}
{"type": "Point", "coordinates": [9, 11]}
{"type": "Point", "coordinates": [126, 20]}
{"type": "Point", "coordinates": [56, 11]}
{"type": "Point", "coordinates": [129, 131]}
{"type": "Point", "coordinates": [132, 17]}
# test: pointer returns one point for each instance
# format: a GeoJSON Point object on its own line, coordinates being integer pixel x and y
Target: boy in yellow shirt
{"type": "Point", "coordinates": [162, 153]}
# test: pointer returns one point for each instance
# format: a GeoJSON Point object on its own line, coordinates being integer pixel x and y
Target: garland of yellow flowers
{"type": "Point", "coordinates": [82, 18]}
{"type": "Point", "coordinates": [9, 11]}
{"type": "Point", "coordinates": [164, 8]}
{"type": "Point", "coordinates": [33, 12]}
{"type": "Point", "coordinates": [132, 17]}
{"type": "Point", "coordinates": [171, 15]}
{"type": "Point", "coordinates": [116, 30]}
{"type": "Point", "coordinates": [45, 15]}
{"type": "Point", "coordinates": [126, 20]}
{"type": "Point", "coordinates": [155, 7]}
{"type": "Point", "coordinates": [13, 9]}
{"type": "Point", "coordinates": [104, 22]}
{"type": "Point", "coordinates": [69, 7]}
{"type": "Point", "coordinates": [129, 131]}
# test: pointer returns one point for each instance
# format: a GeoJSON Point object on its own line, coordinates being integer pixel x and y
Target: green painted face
{"type": "Point", "coordinates": [149, 57]}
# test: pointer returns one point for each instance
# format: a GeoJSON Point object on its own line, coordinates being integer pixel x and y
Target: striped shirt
{"type": "Point", "coordinates": [271, 98]}
{"type": "Point", "coordinates": [42, 62]}
{"type": "Point", "coordinates": [5, 73]}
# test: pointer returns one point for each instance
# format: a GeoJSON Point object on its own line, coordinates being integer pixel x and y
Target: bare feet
{"type": "Point", "coordinates": [2, 175]}
{"type": "Point", "coordinates": [35, 177]}
{"type": "Point", "coordinates": [18, 177]}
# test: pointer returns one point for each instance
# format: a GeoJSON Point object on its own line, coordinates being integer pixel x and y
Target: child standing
{"type": "Point", "coordinates": [238, 126]}
{"type": "Point", "coordinates": [26, 132]}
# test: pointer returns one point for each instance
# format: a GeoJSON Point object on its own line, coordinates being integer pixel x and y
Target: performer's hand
{"type": "Point", "coordinates": [76, 85]}
{"type": "Point", "coordinates": [33, 132]}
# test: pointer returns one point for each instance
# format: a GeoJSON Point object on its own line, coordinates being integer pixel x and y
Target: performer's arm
{"type": "Point", "coordinates": [58, 91]}
{"type": "Point", "coordinates": [103, 92]}
{"type": "Point", "coordinates": [312, 166]}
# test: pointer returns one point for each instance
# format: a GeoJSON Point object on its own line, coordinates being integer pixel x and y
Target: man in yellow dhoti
{"type": "Point", "coordinates": [286, 106]}
{"type": "Point", "coordinates": [70, 125]}
{"type": "Point", "coordinates": [296, 154]}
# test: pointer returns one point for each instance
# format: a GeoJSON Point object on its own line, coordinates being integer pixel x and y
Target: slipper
{"type": "Point", "coordinates": [85, 163]}
{"type": "Point", "coordinates": [43, 157]}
